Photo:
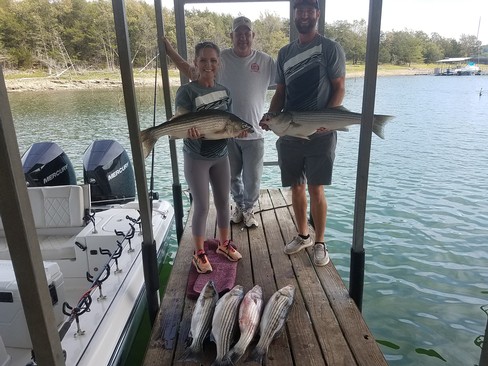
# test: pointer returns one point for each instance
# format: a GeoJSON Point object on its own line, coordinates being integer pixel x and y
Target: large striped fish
{"type": "Point", "coordinates": [249, 316]}
{"type": "Point", "coordinates": [201, 321]}
{"type": "Point", "coordinates": [224, 323]}
{"type": "Point", "coordinates": [304, 124]}
{"type": "Point", "coordinates": [212, 124]}
{"type": "Point", "coordinates": [274, 317]}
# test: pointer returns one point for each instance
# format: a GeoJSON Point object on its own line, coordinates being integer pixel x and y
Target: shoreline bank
{"type": "Point", "coordinates": [75, 82]}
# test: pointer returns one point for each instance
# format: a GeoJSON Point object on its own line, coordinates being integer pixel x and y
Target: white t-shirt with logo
{"type": "Point", "coordinates": [247, 79]}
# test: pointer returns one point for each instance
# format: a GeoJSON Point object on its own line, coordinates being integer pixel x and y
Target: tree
{"type": "Point", "coordinates": [469, 45]}
{"type": "Point", "coordinates": [271, 34]}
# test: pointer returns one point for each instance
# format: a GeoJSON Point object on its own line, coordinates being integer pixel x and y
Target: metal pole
{"type": "Point", "coordinates": [18, 223]}
{"type": "Point", "coordinates": [177, 193]}
{"type": "Point", "coordinates": [356, 282]}
{"type": "Point", "coordinates": [149, 253]}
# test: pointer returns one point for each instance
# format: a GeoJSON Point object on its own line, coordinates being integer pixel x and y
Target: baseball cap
{"type": "Point", "coordinates": [241, 21]}
{"type": "Point", "coordinates": [314, 3]}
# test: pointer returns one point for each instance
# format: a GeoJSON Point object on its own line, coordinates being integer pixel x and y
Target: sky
{"type": "Point", "coordinates": [448, 18]}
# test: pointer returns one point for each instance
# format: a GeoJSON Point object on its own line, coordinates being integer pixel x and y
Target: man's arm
{"type": "Point", "coordinates": [184, 66]}
{"type": "Point", "coordinates": [339, 90]}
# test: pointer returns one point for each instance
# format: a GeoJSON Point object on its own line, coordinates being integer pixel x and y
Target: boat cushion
{"type": "Point", "coordinates": [58, 217]}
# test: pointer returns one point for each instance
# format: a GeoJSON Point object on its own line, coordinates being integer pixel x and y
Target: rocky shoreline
{"type": "Point", "coordinates": [56, 84]}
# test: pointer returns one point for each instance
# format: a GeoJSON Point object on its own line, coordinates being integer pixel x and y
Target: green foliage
{"type": "Point", "coordinates": [79, 34]}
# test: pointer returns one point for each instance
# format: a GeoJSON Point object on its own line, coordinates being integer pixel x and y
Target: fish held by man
{"type": "Point", "coordinates": [201, 322]}
{"type": "Point", "coordinates": [224, 322]}
{"type": "Point", "coordinates": [272, 321]}
{"type": "Point", "coordinates": [212, 124]}
{"type": "Point", "coordinates": [249, 317]}
{"type": "Point", "coordinates": [303, 124]}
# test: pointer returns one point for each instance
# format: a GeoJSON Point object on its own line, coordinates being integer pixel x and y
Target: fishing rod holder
{"type": "Point", "coordinates": [90, 217]}
{"type": "Point", "coordinates": [130, 233]}
{"type": "Point", "coordinates": [82, 307]}
{"type": "Point", "coordinates": [99, 280]}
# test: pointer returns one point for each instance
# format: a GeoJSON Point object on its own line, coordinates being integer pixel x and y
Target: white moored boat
{"type": "Point", "coordinates": [90, 240]}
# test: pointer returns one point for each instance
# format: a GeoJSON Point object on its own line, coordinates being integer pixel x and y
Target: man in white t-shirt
{"type": "Point", "coordinates": [247, 73]}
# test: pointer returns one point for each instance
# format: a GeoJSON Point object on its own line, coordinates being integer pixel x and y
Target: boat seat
{"type": "Point", "coordinates": [58, 217]}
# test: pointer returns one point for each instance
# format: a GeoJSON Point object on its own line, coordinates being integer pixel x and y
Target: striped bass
{"type": "Point", "coordinates": [201, 321]}
{"type": "Point", "coordinates": [224, 322]}
{"type": "Point", "coordinates": [303, 124]}
{"type": "Point", "coordinates": [272, 321]}
{"type": "Point", "coordinates": [212, 124]}
{"type": "Point", "coordinates": [249, 316]}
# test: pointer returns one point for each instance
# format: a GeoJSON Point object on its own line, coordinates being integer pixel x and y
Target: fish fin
{"type": "Point", "coordinates": [147, 141]}
{"type": "Point", "coordinates": [179, 111]}
{"type": "Point", "coordinates": [379, 123]}
{"type": "Point", "coordinates": [256, 355]}
{"type": "Point", "coordinates": [191, 355]}
{"type": "Point", "coordinates": [232, 356]}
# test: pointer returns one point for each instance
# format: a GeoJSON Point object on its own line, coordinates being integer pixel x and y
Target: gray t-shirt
{"type": "Point", "coordinates": [193, 97]}
{"type": "Point", "coordinates": [306, 70]}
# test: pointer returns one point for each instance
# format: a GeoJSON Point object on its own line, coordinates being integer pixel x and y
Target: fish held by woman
{"type": "Point", "coordinates": [212, 124]}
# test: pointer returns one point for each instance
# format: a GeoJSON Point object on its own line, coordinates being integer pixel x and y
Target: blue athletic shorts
{"type": "Point", "coordinates": [307, 161]}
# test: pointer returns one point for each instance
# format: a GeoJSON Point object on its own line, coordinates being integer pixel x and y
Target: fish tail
{"type": "Point", "coordinates": [147, 141]}
{"type": "Point", "coordinates": [379, 124]}
{"type": "Point", "coordinates": [223, 362]}
{"type": "Point", "coordinates": [256, 355]}
{"type": "Point", "coordinates": [192, 354]}
{"type": "Point", "coordinates": [233, 356]}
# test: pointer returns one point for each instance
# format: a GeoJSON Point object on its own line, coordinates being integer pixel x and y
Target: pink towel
{"type": "Point", "coordinates": [223, 274]}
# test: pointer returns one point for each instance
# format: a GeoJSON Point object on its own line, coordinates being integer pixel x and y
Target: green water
{"type": "Point", "coordinates": [426, 236]}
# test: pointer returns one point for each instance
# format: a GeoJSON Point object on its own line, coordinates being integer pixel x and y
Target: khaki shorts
{"type": "Point", "coordinates": [307, 161]}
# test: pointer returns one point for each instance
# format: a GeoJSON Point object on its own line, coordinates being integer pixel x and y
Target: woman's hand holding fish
{"type": "Point", "coordinates": [194, 134]}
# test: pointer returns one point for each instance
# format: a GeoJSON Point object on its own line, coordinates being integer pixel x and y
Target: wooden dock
{"type": "Point", "coordinates": [324, 326]}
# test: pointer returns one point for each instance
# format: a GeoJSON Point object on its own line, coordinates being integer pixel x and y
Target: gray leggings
{"type": "Point", "coordinates": [199, 173]}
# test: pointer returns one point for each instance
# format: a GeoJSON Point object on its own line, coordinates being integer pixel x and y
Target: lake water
{"type": "Point", "coordinates": [426, 236]}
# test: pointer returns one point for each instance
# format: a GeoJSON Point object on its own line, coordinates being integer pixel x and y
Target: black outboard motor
{"type": "Point", "coordinates": [46, 164]}
{"type": "Point", "coordinates": [108, 170]}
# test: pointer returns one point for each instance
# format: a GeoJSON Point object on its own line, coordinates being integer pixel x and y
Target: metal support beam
{"type": "Point", "coordinates": [149, 254]}
{"type": "Point", "coordinates": [356, 282]}
{"type": "Point", "coordinates": [177, 196]}
{"type": "Point", "coordinates": [18, 223]}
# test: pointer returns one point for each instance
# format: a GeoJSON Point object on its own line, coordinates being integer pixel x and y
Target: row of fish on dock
{"type": "Point", "coordinates": [221, 317]}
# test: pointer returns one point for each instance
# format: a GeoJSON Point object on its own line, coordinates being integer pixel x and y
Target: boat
{"type": "Point", "coordinates": [91, 246]}
{"type": "Point", "coordinates": [457, 67]}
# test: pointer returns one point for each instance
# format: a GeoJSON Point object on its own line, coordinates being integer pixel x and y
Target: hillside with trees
{"type": "Point", "coordinates": [79, 34]}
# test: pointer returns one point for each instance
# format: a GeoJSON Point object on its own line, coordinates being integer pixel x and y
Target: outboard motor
{"type": "Point", "coordinates": [46, 164]}
{"type": "Point", "coordinates": [108, 170]}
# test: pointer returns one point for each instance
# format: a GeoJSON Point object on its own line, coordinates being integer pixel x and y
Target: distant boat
{"type": "Point", "coordinates": [470, 68]}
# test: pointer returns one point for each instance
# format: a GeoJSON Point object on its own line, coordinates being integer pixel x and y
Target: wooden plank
{"type": "Point", "coordinates": [325, 332]}
{"type": "Point", "coordinates": [324, 327]}
{"type": "Point", "coordinates": [166, 331]}
{"type": "Point", "coordinates": [359, 339]}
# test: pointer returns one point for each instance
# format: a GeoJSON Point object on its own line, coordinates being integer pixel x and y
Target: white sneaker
{"type": "Point", "coordinates": [320, 254]}
{"type": "Point", "coordinates": [236, 215]}
{"type": "Point", "coordinates": [249, 219]}
{"type": "Point", "coordinates": [297, 244]}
